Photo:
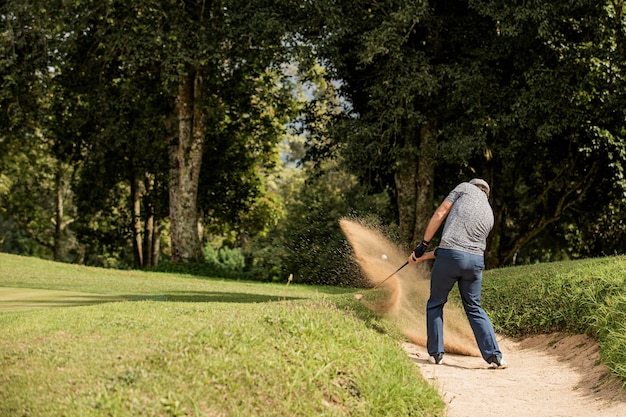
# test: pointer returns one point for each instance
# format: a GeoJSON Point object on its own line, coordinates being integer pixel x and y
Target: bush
{"type": "Point", "coordinates": [308, 242]}
{"type": "Point", "coordinates": [224, 262]}
{"type": "Point", "coordinates": [225, 258]}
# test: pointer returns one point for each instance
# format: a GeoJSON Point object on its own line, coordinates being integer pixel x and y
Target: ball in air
{"type": "Point", "coordinates": [383, 257]}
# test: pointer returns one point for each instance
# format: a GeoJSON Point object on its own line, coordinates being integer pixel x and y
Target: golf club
{"type": "Point", "coordinates": [360, 296]}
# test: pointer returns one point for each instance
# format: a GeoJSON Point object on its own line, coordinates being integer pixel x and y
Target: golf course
{"type": "Point", "coordinates": [322, 208]}
{"type": "Point", "coordinates": [83, 341]}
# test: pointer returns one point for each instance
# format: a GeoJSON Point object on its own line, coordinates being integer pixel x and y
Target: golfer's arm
{"type": "Point", "coordinates": [435, 221]}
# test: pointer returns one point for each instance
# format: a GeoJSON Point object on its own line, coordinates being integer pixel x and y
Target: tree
{"type": "Point", "coordinates": [34, 194]}
{"type": "Point", "coordinates": [551, 142]}
{"type": "Point", "coordinates": [504, 91]}
{"type": "Point", "coordinates": [307, 243]}
{"type": "Point", "coordinates": [125, 84]}
{"type": "Point", "coordinates": [38, 194]}
{"type": "Point", "coordinates": [401, 65]}
{"type": "Point", "coordinates": [214, 61]}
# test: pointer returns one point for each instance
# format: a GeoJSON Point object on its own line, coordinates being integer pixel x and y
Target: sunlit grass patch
{"type": "Point", "coordinates": [176, 358]}
{"type": "Point", "coordinates": [178, 345]}
{"type": "Point", "coordinates": [585, 296]}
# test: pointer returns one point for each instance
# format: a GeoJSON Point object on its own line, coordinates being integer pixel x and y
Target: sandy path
{"type": "Point", "coordinates": [547, 376]}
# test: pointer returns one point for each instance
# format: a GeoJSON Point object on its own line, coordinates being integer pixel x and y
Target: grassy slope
{"type": "Point", "coordinates": [585, 296]}
{"type": "Point", "coordinates": [186, 346]}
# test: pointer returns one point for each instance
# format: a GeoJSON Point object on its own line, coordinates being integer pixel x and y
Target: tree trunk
{"type": "Point", "coordinates": [424, 204]}
{"type": "Point", "coordinates": [148, 236]}
{"type": "Point", "coordinates": [185, 161]}
{"type": "Point", "coordinates": [135, 195]}
{"type": "Point", "coordinates": [57, 251]}
{"type": "Point", "coordinates": [415, 188]}
{"type": "Point", "coordinates": [152, 227]}
{"type": "Point", "coordinates": [493, 242]}
{"type": "Point", "coordinates": [156, 243]}
{"type": "Point", "coordinates": [405, 178]}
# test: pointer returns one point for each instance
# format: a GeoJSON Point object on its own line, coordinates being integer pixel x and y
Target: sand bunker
{"type": "Point", "coordinates": [548, 375]}
{"type": "Point", "coordinates": [403, 297]}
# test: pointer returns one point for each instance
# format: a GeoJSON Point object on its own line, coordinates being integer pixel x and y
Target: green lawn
{"type": "Point", "coordinates": [584, 296]}
{"type": "Point", "coordinates": [131, 343]}
{"type": "Point", "coordinates": [147, 344]}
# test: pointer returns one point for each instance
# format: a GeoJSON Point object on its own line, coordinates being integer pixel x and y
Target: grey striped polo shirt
{"type": "Point", "coordinates": [470, 220]}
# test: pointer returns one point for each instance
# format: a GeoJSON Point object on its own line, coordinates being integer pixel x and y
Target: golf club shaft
{"type": "Point", "coordinates": [392, 274]}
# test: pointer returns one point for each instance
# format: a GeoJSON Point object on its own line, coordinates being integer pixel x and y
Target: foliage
{"type": "Point", "coordinates": [15, 240]}
{"type": "Point", "coordinates": [382, 77]}
{"type": "Point", "coordinates": [23, 69]}
{"type": "Point", "coordinates": [242, 155]}
{"type": "Point", "coordinates": [571, 142]}
{"type": "Point", "coordinates": [100, 80]}
{"type": "Point", "coordinates": [530, 96]}
{"type": "Point", "coordinates": [308, 241]}
{"type": "Point", "coordinates": [223, 262]}
{"type": "Point", "coordinates": [522, 95]}
{"type": "Point", "coordinates": [584, 296]}
{"type": "Point", "coordinates": [32, 180]}
{"type": "Point", "coordinates": [230, 259]}
{"type": "Point", "coordinates": [39, 171]}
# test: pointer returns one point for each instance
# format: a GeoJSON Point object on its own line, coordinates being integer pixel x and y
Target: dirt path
{"type": "Point", "coordinates": [547, 376]}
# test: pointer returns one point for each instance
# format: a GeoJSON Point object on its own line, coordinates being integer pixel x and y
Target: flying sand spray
{"type": "Point", "coordinates": [405, 290]}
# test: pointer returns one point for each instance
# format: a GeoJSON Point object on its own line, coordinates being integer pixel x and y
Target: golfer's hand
{"type": "Point", "coordinates": [413, 259]}
{"type": "Point", "coordinates": [420, 249]}
{"type": "Point", "coordinates": [425, 257]}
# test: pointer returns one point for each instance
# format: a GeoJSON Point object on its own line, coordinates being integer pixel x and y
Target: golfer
{"type": "Point", "coordinates": [460, 259]}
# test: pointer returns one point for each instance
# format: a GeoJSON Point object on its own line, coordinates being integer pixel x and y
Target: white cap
{"type": "Point", "coordinates": [479, 181]}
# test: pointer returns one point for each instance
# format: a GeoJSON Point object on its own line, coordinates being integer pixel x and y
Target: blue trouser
{"type": "Point", "coordinates": [452, 266]}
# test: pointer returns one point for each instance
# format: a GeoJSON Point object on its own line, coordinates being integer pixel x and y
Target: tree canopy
{"type": "Point", "coordinates": [161, 126]}
{"type": "Point", "coordinates": [526, 97]}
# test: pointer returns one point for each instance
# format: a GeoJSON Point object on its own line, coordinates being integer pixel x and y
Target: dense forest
{"type": "Point", "coordinates": [232, 136]}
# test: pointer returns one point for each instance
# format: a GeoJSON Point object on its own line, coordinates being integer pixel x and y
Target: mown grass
{"type": "Point", "coordinates": [170, 345]}
{"type": "Point", "coordinates": [156, 344]}
{"type": "Point", "coordinates": [584, 296]}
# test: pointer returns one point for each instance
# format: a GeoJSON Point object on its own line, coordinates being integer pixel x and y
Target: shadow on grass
{"type": "Point", "coordinates": [57, 299]}
{"type": "Point", "coordinates": [211, 297]}
{"type": "Point", "coordinates": [21, 299]}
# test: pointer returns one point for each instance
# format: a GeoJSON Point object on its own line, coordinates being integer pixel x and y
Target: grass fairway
{"type": "Point", "coordinates": [132, 343]}
{"type": "Point", "coordinates": [169, 345]}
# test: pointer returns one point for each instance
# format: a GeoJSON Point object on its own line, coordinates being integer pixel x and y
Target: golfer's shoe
{"type": "Point", "coordinates": [498, 363]}
{"type": "Point", "coordinates": [437, 359]}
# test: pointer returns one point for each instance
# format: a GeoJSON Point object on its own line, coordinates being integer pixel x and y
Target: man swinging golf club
{"type": "Point", "coordinates": [460, 259]}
